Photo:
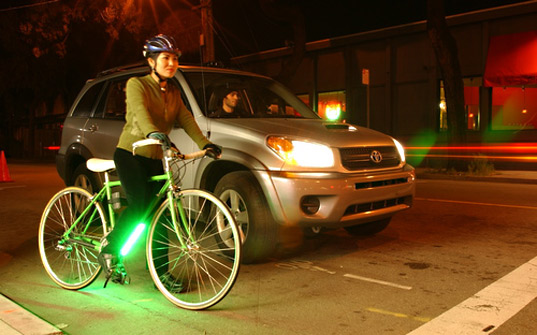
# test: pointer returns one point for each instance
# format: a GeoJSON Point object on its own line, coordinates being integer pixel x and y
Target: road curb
{"type": "Point", "coordinates": [16, 320]}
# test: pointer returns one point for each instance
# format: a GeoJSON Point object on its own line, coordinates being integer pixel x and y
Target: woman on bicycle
{"type": "Point", "coordinates": [154, 105]}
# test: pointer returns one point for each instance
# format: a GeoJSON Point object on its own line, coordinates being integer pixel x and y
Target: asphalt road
{"type": "Point", "coordinates": [457, 242]}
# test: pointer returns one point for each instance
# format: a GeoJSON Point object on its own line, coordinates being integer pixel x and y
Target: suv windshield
{"type": "Point", "coordinates": [255, 97]}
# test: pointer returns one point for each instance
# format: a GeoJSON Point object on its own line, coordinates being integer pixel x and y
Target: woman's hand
{"type": "Point", "coordinates": [214, 151]}
{"type": "Point", "coordinates": [163, 138]}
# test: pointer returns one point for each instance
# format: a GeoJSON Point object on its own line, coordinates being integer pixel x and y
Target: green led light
{"type": "Point", "coordinates": [132, 239]}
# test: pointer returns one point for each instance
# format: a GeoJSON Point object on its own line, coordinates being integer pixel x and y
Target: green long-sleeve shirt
{"type": "Point", "coordinates": [150, 110]}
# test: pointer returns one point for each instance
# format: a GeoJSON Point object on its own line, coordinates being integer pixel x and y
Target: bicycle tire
{"type": "Point", "coordinates": [208, 264]}
{"type": "Point", "coordinates": [70, 262]}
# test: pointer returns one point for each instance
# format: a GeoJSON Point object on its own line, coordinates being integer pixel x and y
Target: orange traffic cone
{"type": "Point", "coordinates": [4, 172]}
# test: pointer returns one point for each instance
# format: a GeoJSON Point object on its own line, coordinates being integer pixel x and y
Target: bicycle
{"type": "Point", "coordinates": [195, 227]}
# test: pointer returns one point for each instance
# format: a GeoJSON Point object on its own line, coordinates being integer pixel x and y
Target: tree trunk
{"type": "Point", "coordinates": [445, 48]}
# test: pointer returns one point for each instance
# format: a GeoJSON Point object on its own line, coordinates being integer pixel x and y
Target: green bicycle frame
{"type": "Point", "coordinates": [106, 193]}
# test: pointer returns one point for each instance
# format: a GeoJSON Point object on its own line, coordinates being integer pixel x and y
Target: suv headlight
{"type": "Point", "coordinates": [301, 153]}
{"type": "Point", "coordinates": [400, 149]}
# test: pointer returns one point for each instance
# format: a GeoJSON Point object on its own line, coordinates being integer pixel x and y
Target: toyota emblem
{"type": "Point", "coordinates": [375, 156]}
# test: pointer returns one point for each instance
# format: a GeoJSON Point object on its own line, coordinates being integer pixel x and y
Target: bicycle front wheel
{"type": "Point", "coordinates": [70, 235]}
{"type": "Point", "coordinates": [194, 262]}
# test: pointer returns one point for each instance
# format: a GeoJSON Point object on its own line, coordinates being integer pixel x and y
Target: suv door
{"type": "Point", "coordinates": [182, 140]}
{"type": "Point", "coordinates": [105, 125]}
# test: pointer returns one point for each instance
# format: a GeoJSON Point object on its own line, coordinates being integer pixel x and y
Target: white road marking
{"type": "Point", "coordinates": [307, 265]}
{"type": "Point", "coordinates": [376, 281]}
{"type": "Point", "coordinates": [476, 203]}
{"type": "Point", "coordinates": [486, 310]}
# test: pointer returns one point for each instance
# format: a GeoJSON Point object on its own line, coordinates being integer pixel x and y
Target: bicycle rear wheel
{"type": "Point", "coordinates": [206, 262]}
{"type": "Point", "coordinates": [71, 259]}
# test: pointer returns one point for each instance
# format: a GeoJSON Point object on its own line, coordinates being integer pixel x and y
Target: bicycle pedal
{"type": "Point", "coordinates": [121, 278]}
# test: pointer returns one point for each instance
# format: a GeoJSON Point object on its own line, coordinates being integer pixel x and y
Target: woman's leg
{"type": "Point", "coordinates": [133, 173]}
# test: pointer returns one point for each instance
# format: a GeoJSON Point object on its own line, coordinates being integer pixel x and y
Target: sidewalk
{"type": "Point", "coordinates": [508, 176]}
{"type": "Point", "coordinates": [16, 320]}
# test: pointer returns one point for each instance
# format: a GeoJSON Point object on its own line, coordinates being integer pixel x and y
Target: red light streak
{"type": "Point", "coordinates": [522, 152]}
{"type": "Point", "coordinates": [509, 158]}
{"type": "Point", "coordinates": [514, 148]}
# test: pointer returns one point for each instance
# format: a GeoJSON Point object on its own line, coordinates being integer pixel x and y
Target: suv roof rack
{"type": "Point", "coordinates": [120, 68]}
{"type": "Point", "coordinates": [215, 64]}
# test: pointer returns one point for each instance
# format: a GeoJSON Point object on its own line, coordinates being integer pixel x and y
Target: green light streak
{"type": "Point", "coordinates": [424, 139]}
{"type": "Point", "coordinates": [132, 239]}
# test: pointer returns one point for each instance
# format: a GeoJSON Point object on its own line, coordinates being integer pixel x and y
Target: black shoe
{"type": "Point", "coordinates": [113, 268]}
{"type": "Point", "coordinates": [172, 284]}
{"type": "Point", "coordinates": [119, 276]}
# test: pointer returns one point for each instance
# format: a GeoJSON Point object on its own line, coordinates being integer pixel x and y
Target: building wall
{"type": "Point", "coordinates": [404, 76]}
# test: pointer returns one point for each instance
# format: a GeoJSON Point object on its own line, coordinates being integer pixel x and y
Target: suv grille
{"type": "Point", "coordinates": [360, 158]}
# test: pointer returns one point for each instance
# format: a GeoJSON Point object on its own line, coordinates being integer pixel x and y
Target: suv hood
{"type": "Point", "coordinates": [320, 131]}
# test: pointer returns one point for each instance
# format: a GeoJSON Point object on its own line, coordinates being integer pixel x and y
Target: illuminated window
{"type": "Point", "coordinates": [514, 108]}
{"type": "Point", "coordinates": [331, 105]}
{"type": "Point", "coordinates": [471, 104]}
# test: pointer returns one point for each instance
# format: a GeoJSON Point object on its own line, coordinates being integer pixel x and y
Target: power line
{"type": "Point", "coordinates": [29, 5]}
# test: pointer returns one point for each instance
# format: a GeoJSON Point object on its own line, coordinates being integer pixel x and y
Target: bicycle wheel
{"type": "Point", "coordinates": [70, 259]}
{"type": "Point", "coordinates": [203, 255]}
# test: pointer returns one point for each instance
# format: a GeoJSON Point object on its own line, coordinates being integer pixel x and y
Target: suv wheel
{"type": "Point", "coordinates": [370, 228]}
{"type": "Point", "coordinates": [243, 195]}
{"type": "Point", "coordinates": [84, 178]}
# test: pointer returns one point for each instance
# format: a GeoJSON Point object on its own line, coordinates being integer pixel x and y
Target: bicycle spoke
{"type": "Point", "coordinates": [208, 258]}
{"type": "Point", "coordinates": [70, 259]}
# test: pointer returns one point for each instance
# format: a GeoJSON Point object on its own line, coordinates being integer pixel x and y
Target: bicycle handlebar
{"type": "Point", "coordinates": [170, 152]}
{"type": "Point", "coordinates": [144, 142]}
{"type": "Point", "coordinates": [192, 155]}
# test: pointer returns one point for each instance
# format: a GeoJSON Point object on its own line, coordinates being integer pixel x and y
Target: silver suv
{"type": "Point", "coordinates": [282, 165]}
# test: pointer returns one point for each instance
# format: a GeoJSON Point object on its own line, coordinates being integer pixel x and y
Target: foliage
{"type": "Point", "coordinates": [53, 47]}
{"type": "Point", "coordinates": [480, 166]}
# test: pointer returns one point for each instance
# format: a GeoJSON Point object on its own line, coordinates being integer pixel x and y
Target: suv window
{"type": "Point", "coordinates": [259, 97]}
{"type": "Point", "coordinates": [113, 102]}
{"type": "Point", "coordinates": [112, 106]}
{"type": "Point", "coordinates": [84, 108]}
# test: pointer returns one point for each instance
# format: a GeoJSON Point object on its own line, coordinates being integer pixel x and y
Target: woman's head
{"type": "Point", "coordinates": [162, 56]}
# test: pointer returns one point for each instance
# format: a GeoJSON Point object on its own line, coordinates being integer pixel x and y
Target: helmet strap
{"type": "Point", "coordinates": [160, 79]}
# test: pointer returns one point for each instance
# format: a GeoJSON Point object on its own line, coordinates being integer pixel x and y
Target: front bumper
{"type": "Point", "coordinates": [343, 199]}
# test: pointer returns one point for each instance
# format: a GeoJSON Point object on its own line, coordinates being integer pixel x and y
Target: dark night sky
{"type": "Point", "coordinates": [244, 28]}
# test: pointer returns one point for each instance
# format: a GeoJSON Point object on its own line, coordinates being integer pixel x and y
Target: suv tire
{"type": "Point", "coordinates": [242, 194]}
{"type": "Point", "coordinates": [84, 178]}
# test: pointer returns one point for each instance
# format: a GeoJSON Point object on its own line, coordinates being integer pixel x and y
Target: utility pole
{"type": "Point", "coordinates": [206, 37]}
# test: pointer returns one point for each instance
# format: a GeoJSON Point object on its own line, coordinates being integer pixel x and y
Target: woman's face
{"type": "Point", "coordinates": [166, 64]}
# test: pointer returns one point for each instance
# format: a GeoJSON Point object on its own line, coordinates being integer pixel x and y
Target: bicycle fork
{"type": "Point", "coordinates": [183, 225]}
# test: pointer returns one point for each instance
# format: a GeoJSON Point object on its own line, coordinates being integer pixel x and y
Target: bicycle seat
{"type": "Point", "coordinates": [100, 165]}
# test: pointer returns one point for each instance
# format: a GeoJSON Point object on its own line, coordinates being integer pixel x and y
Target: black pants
{"type": "Point", "coordinates": [133, 173]}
